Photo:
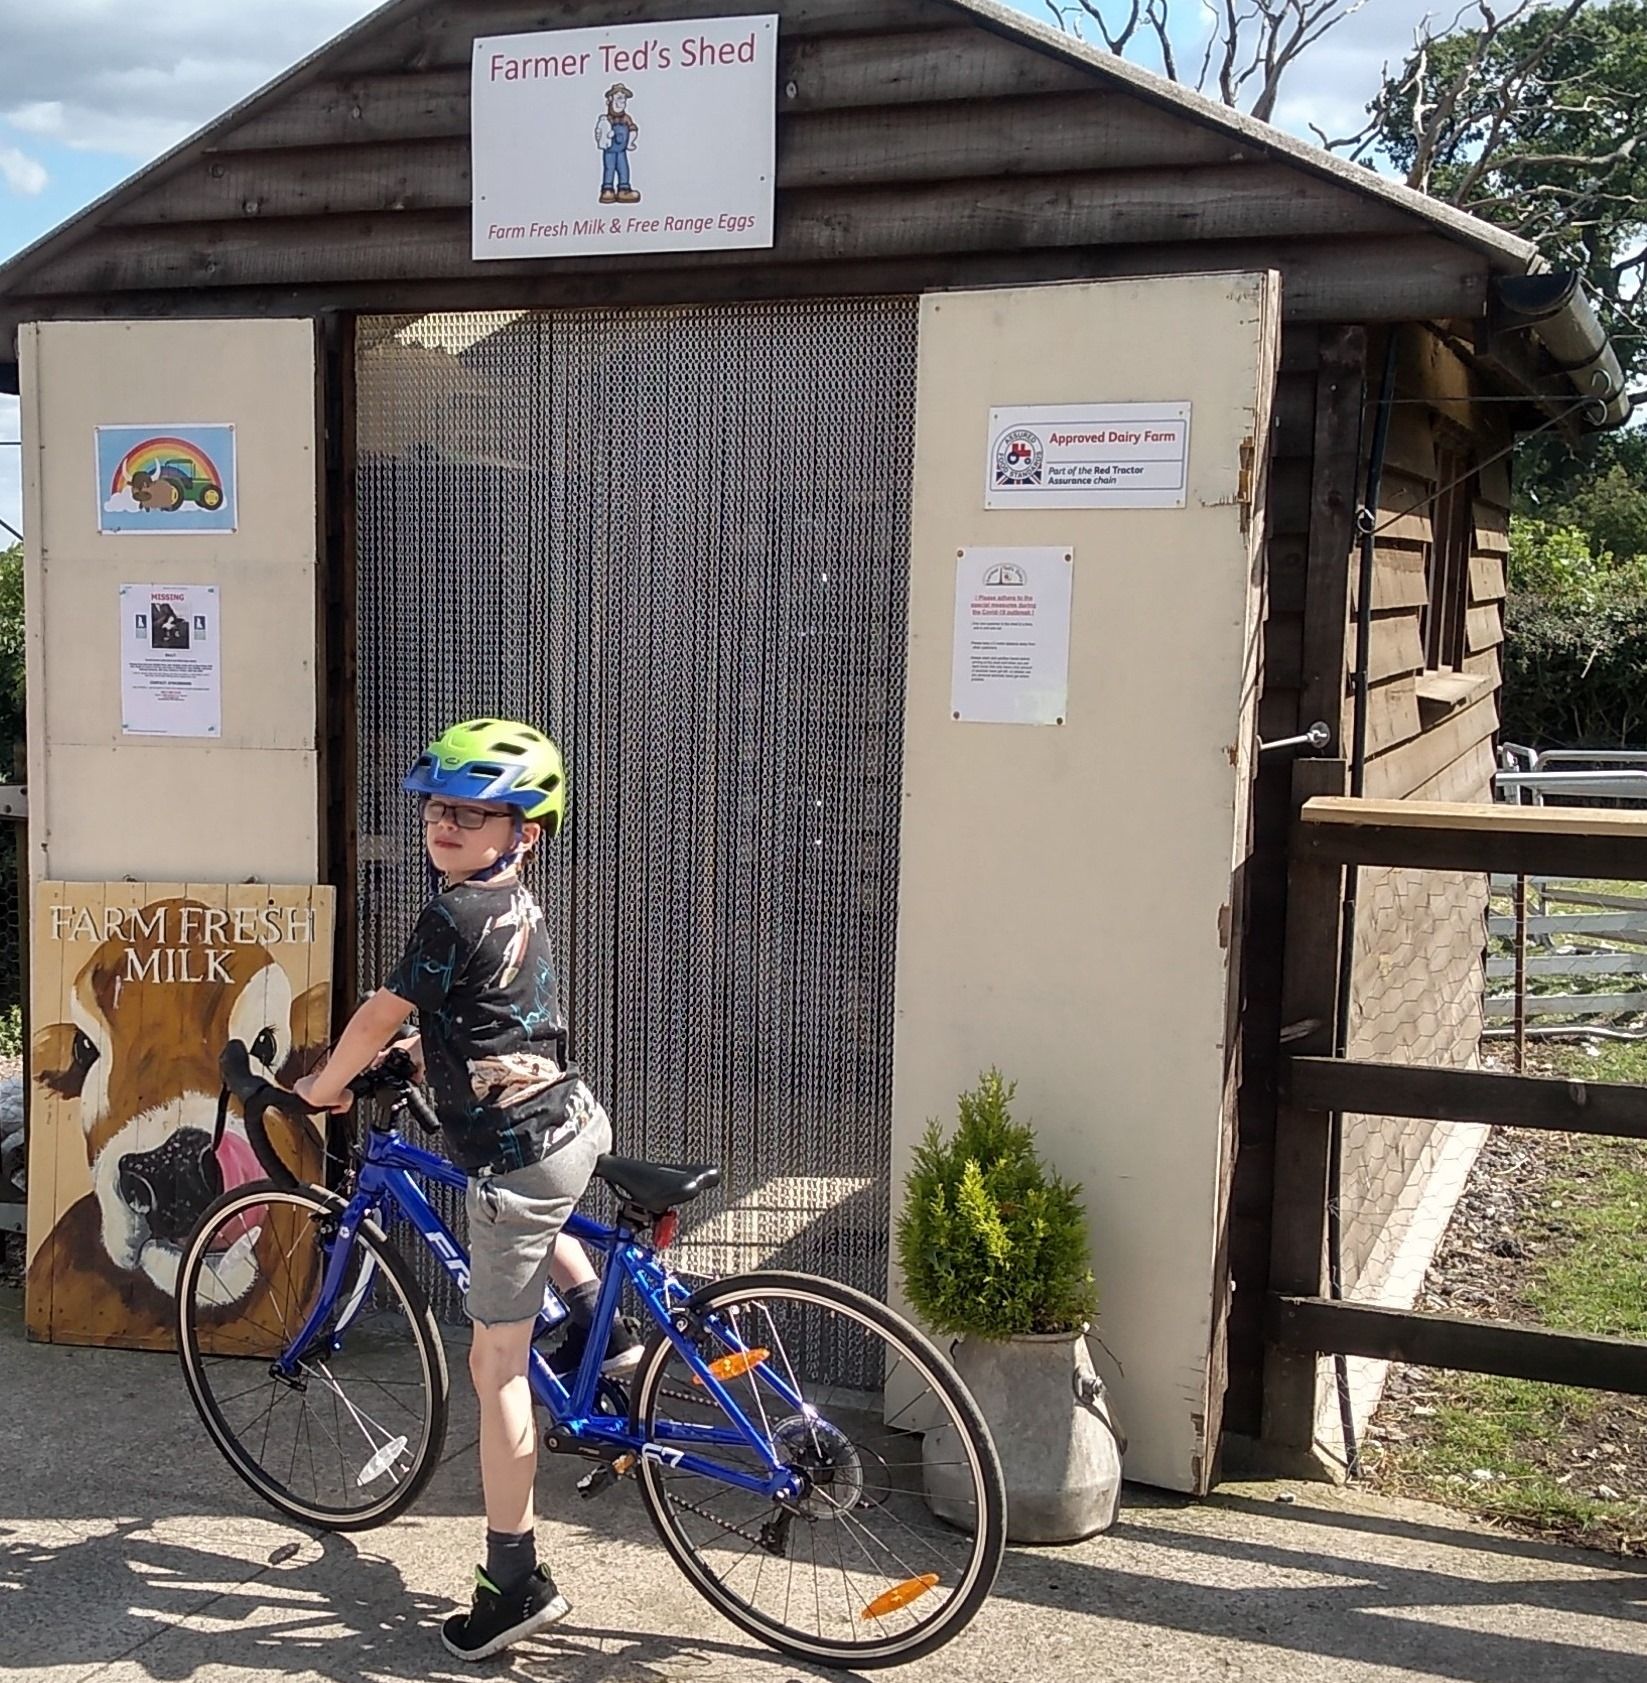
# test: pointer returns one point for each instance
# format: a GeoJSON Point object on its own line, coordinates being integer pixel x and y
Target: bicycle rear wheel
{"type": "Point", "coordinates": [858, 1572]}
{"type": "Point", "coordinates": [350, 1440]}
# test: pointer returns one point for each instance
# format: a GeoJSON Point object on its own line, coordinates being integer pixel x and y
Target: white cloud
{"type": "Point", "coordinates": [1334, 79]}
{"type": "Point", "coordinates": [78, 72]}
{"type": "Point", "coordinates": [1332, 84]}
{"type": "Point", "coordinates": [21, 173]}
{"type": "Point", "coordinates": [44, 117]}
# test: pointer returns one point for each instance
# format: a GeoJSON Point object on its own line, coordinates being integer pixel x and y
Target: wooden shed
{"type": "Point", "coordinates": [928, 151]}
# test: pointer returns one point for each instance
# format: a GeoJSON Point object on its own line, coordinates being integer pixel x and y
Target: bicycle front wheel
{"type": "Point", "coordinates": [857, 1572]}
{"type": "Point", "coordinates": [350, 1438]}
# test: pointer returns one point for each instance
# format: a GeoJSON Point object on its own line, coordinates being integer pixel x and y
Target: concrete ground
{"type": "Point", "coordinates": [129, 1552]}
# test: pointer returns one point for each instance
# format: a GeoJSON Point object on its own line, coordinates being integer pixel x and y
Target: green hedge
{"type": "Point", "coordinates": [1575, 672]}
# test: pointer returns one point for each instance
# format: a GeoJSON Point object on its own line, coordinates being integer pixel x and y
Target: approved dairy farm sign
{"type": "Point", "coordinates": [638, 137]}
{"type": "Point", "coordinates": [1088, 455]}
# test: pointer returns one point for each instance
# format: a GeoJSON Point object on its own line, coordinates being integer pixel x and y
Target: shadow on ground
{"type": "Point", "coordinates": [128, 1549]}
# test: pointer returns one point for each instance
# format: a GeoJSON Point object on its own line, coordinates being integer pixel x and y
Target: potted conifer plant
{"type": "Point", "coordinates": [994, 1253]}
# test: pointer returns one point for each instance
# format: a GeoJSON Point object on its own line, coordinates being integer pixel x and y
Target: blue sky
{"type": "Point", "coordinates": [86, 97]}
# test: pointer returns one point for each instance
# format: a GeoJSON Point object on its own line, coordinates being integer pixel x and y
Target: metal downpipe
{"type": "Point", "coordinates": [1366, 524]}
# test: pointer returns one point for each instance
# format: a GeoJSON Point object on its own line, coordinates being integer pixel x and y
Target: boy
{"type": "Point", "coordinates": [478, 972]}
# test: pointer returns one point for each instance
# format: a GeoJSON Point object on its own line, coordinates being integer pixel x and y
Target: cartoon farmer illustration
{"type": "Point", "coordinates": [615, 137]}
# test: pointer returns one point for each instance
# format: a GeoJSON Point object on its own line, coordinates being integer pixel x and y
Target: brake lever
{"type": "Point", "coordinates": [395, 1069]}
{"type": "Point", "coordinates": [396, 1074]}
{"type": "Point", "coordinates": [422, 1112]}
{"type": "Point", "coordinates": [257, 1097]}
{"type": "Point", "coordinates": [253, 1108]}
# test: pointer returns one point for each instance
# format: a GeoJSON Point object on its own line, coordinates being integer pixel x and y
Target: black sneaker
{"type": "Point", "coordinates": [623, 1351]}
{"type": "Point", "coordinates": [494, 1621]}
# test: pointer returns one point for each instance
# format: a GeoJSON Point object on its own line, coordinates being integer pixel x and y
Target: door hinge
{"type": "Point", "coordinates": [1244, 481]}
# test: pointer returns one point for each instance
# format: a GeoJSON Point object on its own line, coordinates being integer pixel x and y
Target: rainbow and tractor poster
{"type": "Point", "coordinates": [168, 479]}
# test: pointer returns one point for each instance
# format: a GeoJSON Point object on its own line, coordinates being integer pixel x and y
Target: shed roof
{"type": "Point", "coordinates": [1513, 254]}
{"type": "Point", "coordinates": [1243, 191]}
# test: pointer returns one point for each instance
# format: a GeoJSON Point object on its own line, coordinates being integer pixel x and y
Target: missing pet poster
{"type": "Point", "coordinates": [633, 137]}
{"type": "Point", "coordinates": [170, 670]}
{"type": "Point", "coordinates": [1010, 663]}
{"type": "Point", "coordinates": [171, 479]}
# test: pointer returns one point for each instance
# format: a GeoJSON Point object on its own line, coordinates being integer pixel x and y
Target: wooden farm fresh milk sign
{"type": "Point", "coordinates": [184, 941]}
{"type": "Point", "coordinates": [135, 989]}
{"type": "Point", "coordinates": [638, 137]}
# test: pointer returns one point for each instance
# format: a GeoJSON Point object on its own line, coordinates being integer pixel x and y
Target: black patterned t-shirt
{"type": "Point", "coordinates": [479, 972]}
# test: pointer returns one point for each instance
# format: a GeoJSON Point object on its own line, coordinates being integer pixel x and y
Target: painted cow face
{"type": "Point", "coordinates": [140, 1060]}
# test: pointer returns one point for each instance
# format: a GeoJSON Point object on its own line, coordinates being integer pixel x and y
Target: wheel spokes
{"type": "Point", "coordinates": [346, 1429]}
{"type": "Point", "coordinates": [856, 1561]}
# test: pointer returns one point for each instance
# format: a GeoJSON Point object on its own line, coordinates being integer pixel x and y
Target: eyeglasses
{"type": "Point", "coordinates": [465, 817]}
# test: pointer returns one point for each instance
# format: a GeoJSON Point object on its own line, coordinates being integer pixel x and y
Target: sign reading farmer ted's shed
{"type": "Point", "coordinates": [639, 137]}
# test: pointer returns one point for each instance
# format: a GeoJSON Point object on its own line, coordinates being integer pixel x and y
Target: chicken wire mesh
{"type": "Point", "coordinates": [679, 540]}
{"type": "Point", "coordinates": [1493, 1224]}
{"type": "Point", "coordinates": [1420, 941]}
{"type": "Point", "coordinates": [1461, 969]}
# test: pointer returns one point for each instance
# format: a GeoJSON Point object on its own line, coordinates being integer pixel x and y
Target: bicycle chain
{"type": "Point", "coordinates": [701, 1398]}
{"type": "Point", "coordinates": [692, 1507]}
{"type": "Point", "coordinates": [715, 1519]}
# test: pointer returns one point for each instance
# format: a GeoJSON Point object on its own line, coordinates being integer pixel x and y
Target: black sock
{"type": "Point", "coordinates": [510, 1558]}
{"type": "Point", "coordinates": [580, 1303]}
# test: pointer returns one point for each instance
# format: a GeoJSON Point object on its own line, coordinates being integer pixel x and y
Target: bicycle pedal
{"type": "Point", "coordinates": [603, 1477]}
{"type": "Point", "coordinates": [595, 1482]}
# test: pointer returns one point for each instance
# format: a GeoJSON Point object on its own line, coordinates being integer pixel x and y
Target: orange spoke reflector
{"type": "Point", "coordinates": [735, 1365]}
{"type": "Point", "coordinates": [900, 1595]}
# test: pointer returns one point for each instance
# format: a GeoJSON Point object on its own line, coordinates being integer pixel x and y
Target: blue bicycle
{"type": "Point", "coordinates": [792, 1440]}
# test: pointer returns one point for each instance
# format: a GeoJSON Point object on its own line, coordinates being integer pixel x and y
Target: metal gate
{"type": "Point", "coordinates": [678, 540]}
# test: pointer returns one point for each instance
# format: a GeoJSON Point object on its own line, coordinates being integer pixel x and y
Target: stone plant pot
{"type": "Point", "coordinates": [1060, 1448]}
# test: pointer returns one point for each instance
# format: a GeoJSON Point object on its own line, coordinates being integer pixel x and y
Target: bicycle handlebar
{"type": "Point", "coordinates": [258, 1096]}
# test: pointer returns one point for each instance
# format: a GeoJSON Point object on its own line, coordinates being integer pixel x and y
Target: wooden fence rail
{"type": "Point", "coordinates": [1368, 1088]}
{"type": "Point", "coordinates": [1302, 1323]}
{"type": "Point", "coordinates": [1507, 1348]}
{"type": "Point", "coordinates": [1456, 836]}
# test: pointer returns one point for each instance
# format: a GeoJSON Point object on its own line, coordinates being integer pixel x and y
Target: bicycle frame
{"type": "Point", "coordinates": [385, 1176]}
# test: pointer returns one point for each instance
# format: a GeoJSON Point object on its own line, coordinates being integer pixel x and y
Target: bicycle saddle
{"type": "Point", "coordinates": [656, 1187]}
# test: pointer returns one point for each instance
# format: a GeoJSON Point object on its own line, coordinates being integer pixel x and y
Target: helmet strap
{"type": "Point", "coordinates": [505, 862]}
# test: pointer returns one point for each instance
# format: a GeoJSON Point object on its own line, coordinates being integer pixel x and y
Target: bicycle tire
{"type": "Point", "coordinates": [989, 1536]}
{"type": "Point", "coordinates": [384, 1256]}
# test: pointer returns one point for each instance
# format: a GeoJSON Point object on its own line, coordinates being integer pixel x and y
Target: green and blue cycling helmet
{"type": "Point", "coordinates": [495, 760]}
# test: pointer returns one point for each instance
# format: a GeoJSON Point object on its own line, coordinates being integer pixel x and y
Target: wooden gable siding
{"type": "Point", "coordinates": [916, 149]}
{"type": "Point", "coordinates": [1430, 733]}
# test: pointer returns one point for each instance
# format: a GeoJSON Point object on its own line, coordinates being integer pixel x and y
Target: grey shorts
{"type": "Point", "coordinates": [514, 1220]}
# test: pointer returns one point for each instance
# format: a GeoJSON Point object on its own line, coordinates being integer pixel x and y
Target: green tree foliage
{"type": "Point", "coordinates": [1575, 672]}
{"type": "Point", "coordinates": [1575, 643]}
{"type": "Point", "coordinates": [1612, 509]}
{"type": "Point", "coordinates": [1533, 117]}
{"type": "Point", "coordinates": [1562, 562]}
{"type": "Point", "coordinates": [992, 1243]}
{"type": "Point", "coordinates": [1599, 478]}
